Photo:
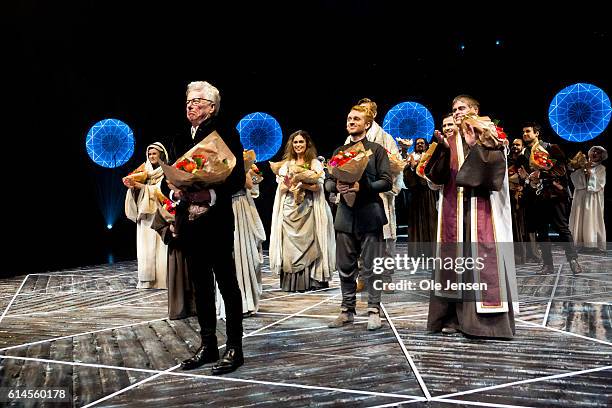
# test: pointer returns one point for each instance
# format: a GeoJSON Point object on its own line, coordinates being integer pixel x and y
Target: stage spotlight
{"type": "Point", "coordinates": [110, 143]}
{"type": "Point", "coordinates": [409, 120]}
{"type": "Point", "coordinates": [580, 112]}
{"type": "Point", "coordinates": [497, 42]}
{"type": "Point", "coordinates": [462, 47]}
{"type": "Point", "coordinates": [262, 133]}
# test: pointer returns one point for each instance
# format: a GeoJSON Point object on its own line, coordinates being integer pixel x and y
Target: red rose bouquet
{"type": "Point", "coordinates": [348, 167]}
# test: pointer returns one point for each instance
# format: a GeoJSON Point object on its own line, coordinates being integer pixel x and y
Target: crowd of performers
{"type": "Point", "coordinates": [472, 193]}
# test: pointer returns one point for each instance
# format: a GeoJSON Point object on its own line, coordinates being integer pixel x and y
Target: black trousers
{"type": "Point", "coordinates": [349, 247]}
{"type": "Point", "coordinates": [209, 260]}
{"type": "Point", "coordinates": [553, 213]}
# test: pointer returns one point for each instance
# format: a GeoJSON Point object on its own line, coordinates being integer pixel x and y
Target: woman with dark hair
{"type": "Point", "coordinates": [302, 243]}
{"type": "Point", "coordinates": [141, 203]}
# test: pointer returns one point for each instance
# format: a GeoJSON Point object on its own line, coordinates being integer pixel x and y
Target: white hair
{"type": "Point", "coordinates": [210, 92]}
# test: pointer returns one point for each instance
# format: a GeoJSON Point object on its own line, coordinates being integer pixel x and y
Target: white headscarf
{"type": "Point", "coordinates": [604, 152]}
{"type": "Point", "coordinates": [155, 174]}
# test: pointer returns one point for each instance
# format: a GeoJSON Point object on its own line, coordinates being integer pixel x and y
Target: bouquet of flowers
{"type": "Point", "coordinates": [298, 175]}
{"type": "Point", "coordinates": [208, 163]}
{"type": "Point", "coordinates": [164, 216]}
{"type": "Point", "coordinates": [579, 161]}
{"type": "Point", "coordinates": [249, 157]}
{"type": "Point", "coordinates": [256, 174]}
{"type": "Point", "coordinates": [405, 142]}
{"type": "Point", "coordinates": [276, 166]}
{"type": "Point", "coordinates": [166, 207]}
{"type": "Point", "coordinates": [139, 175]}
{"type": "Point", "coordinates": [487, 132]}
{"type": "Point", "coordinates": [514, 183]}
{"type": "Point", "coordinates": [424, 159]}
{"type": "Point", "coordinates": [539, 158]}
{"type": "Point", "coordinates": [193, 164]}
{"type": "Point", "coordinates": [396, 164]}
{"type": "Point", "coordinates": [251, 168]}
{"type": "Point", "coordinates": [302, 173]}
{"type": "Point", "coordinates": [348, 167]}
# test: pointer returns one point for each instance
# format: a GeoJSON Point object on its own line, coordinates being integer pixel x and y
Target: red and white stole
{"type": "Point", "coordinates": [483, 243]}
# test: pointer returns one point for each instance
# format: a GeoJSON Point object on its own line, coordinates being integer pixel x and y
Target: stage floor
{"type": "Point", "coordinates": [90, 332]}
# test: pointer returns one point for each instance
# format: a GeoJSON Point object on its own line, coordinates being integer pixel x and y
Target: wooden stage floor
{"type": "Point", "coordinates": [90, 332]}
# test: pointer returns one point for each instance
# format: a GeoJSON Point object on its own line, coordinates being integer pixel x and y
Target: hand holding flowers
{"type": "Point", "coordinates": [484, 131]}
{"type": "Point", "coordinates": [539, 158]}
{"type": "Point", "coordinates": [208, 163]}
{"type": "Point", "coordinates": [348, 167]}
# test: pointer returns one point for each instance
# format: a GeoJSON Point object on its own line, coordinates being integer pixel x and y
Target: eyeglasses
{"type": "Point", "coordinates": [198, 101]}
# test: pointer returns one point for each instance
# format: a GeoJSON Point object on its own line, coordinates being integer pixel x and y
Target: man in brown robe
{"type": "Point", "coordinates": [474, 223]}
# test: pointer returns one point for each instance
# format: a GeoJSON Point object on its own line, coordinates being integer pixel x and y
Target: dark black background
{"type": "Point", "coordinates": [305, 63]}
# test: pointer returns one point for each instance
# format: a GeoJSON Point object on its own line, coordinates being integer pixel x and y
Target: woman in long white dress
{"type": "Point", "coordinates": [587, 214]}
{"type": "Point", "coordinates": [141, 202]}
{"type": "Point", "coordinates": [249, 234]}
{"type": "Point", "coordinates": [302, 240]}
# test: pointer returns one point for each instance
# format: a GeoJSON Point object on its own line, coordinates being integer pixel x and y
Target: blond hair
{"type": "Point", "coordinates": [367, 112]}
{"type": "Point", "coordinates": [371, 104]}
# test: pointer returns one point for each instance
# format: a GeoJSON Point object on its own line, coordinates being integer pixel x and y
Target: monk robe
{"type": "Point", "coordinates": [473, 223]}
{"type": "Point", "coordinates": [422, 215]}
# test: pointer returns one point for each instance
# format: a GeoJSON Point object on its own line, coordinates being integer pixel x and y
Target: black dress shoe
{"type": "Point", "coordinates": [231, 360]}
{"type": "Point", "coordinates": [575, 266]}
{"type": "Point", "coordinates": [546, 270]}
{"type": "Point", "coordinates": [205, 354]}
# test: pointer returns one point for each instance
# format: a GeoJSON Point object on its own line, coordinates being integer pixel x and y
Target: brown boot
{"type": "Point", "coordinates": [345, 317]}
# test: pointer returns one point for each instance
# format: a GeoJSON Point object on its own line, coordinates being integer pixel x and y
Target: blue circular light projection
{"type": "Point", "coordinates": [409, 120]}
{"type": "Point", "coordinates": [262, 133]}
{"type": "Point", "coordinates": [580, 112]}
{"type": "Point", "coordinates": [110, 143]}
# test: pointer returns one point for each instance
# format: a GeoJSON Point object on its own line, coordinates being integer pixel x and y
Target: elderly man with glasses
{"type": "Point", "coordinates": [207, 241]}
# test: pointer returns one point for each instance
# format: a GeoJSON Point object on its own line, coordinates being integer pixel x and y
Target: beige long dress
{"type": "Point", "coordinates": [249, 234]}
{"type": "Point", "coordinates": [302, 240]}
{"type": "Point", "coordinates": [587, 215]}
{"type": "Point", "coordinates": [140, 207]}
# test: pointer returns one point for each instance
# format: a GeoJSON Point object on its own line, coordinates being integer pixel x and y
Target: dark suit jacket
{"type": "Point", "coordinates": [217, 225]}
{"type": "Point", "coordinates": [368, 213]}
